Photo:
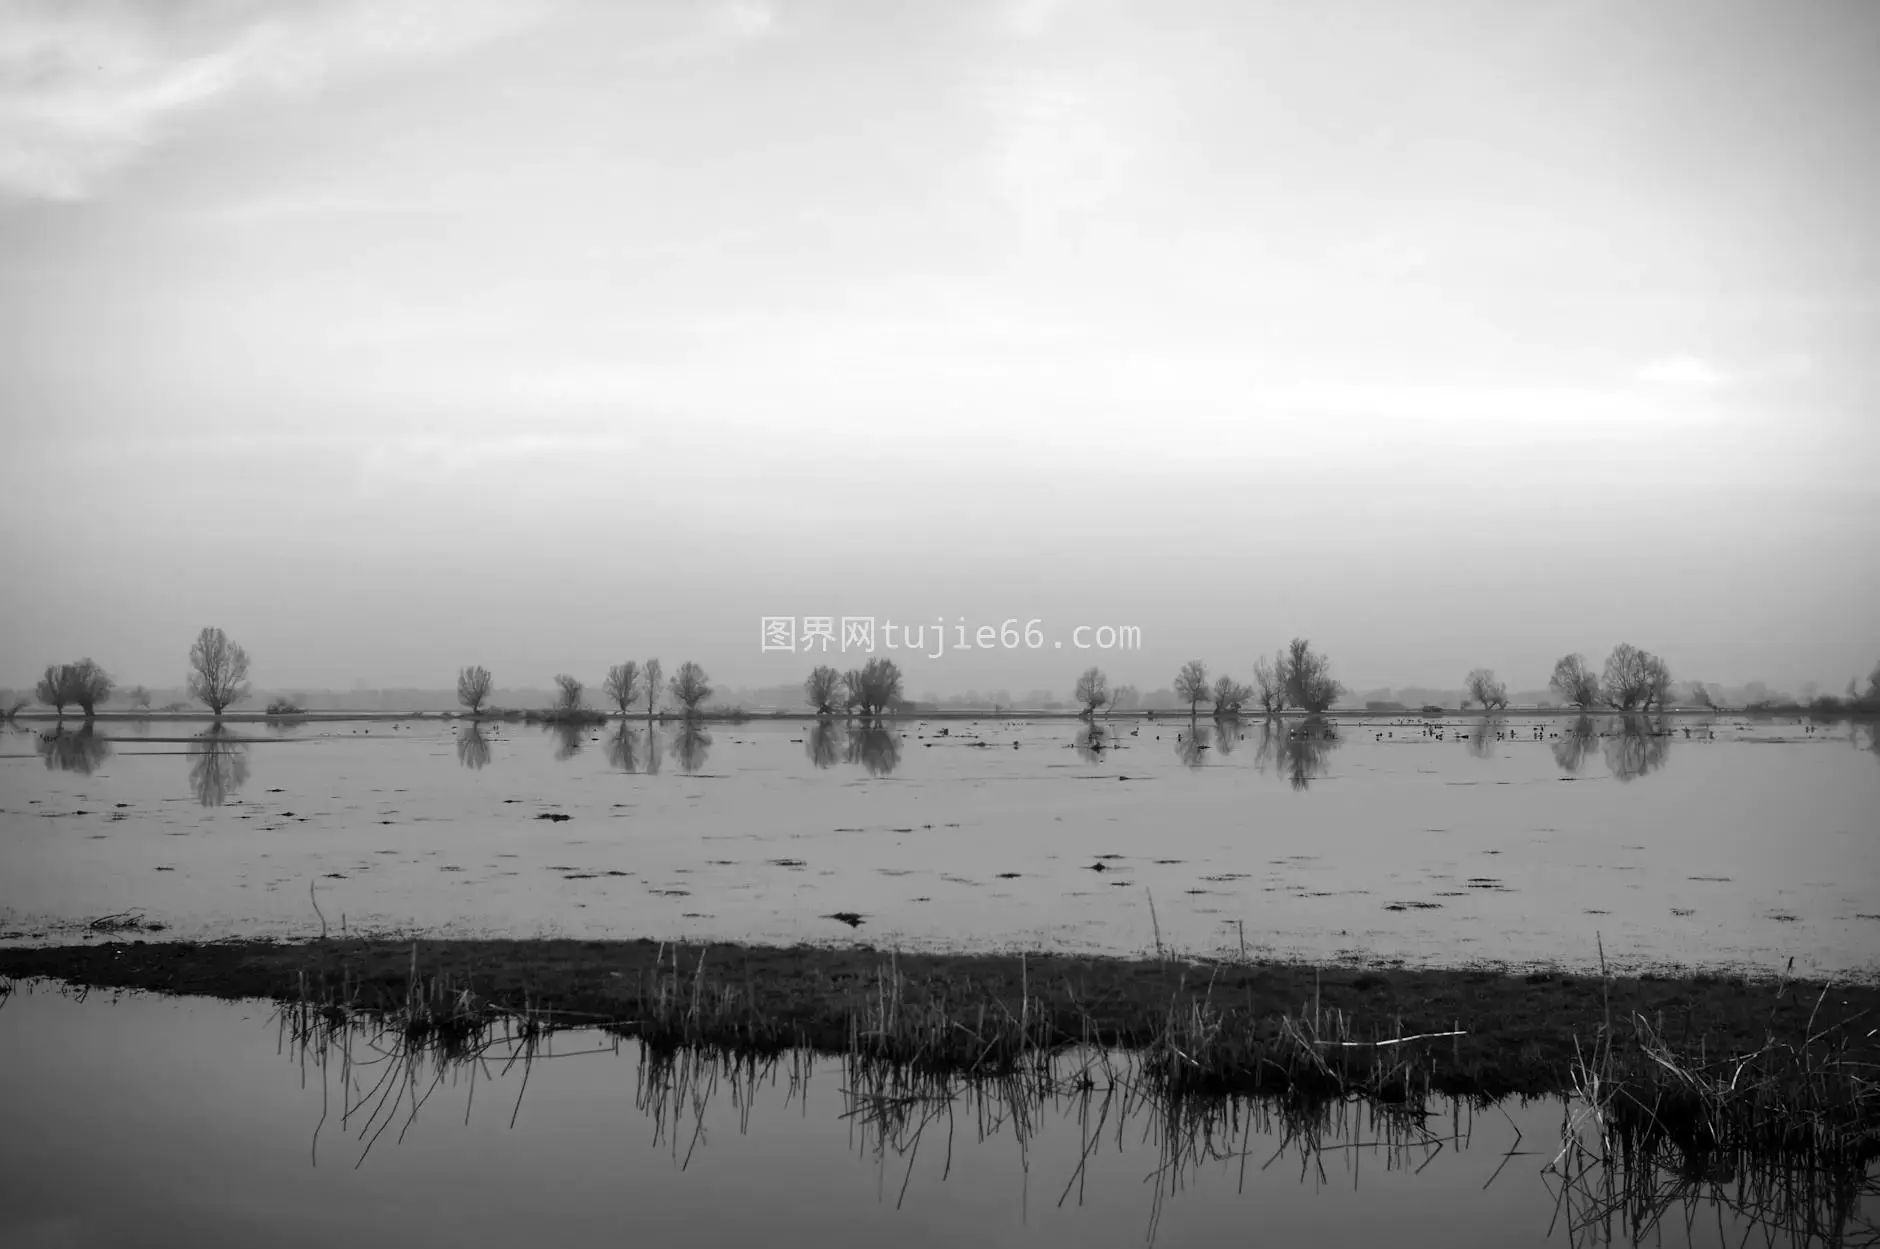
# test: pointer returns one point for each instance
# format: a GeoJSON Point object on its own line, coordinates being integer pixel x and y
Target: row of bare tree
{"type": "Point", "coordinates": [218, 678]}
{"type": "Point", "coordinates": [871, 689]}
{"type": "Point", "coordinates": [625, 685]}
{"type": "Point", "coordinates": [1633, 680]}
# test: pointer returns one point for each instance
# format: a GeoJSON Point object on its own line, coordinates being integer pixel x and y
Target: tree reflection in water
{"type": "Point", "coordinates": [821, 743]}
{"type": "Point", "coordinates": [1485, 735]}
{"type": "Point", "coordinates": [876, 747]}
{"type": "Point", "coordinates": [1299, 752]}
{"type": "Point", "coordinates": [73, 750]}
{"type": "Point", "coordinates": [1575, 744]}
{"type": "Point", "coordinates": [691, 745]}
{"type": "Point", "coordinates": [1192, 744]}
{"type": "Point", "coordinates": [473, 749]}
{"type": "Point", "coordinates": [218, 765]}
{"type": "Point", "coordinates": [1092, 741]}
{"type": "Point", "coordinates": [569, 739]}
{"type": "Point", "coordinates": [1638, 748]}
{"type": "Point", "coordinates": [623, 748]}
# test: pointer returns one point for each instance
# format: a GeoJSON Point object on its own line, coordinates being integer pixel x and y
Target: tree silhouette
{"type": "Point", "coordinates": [473, 687]}
{"type": "Point", "coordinates": [1191, 685]}
{"type": "Point", "coordinates": [218, 671]}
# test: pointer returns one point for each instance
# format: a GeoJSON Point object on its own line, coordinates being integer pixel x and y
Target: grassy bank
{"type": "Point", "coordinates": [1518, 1033]}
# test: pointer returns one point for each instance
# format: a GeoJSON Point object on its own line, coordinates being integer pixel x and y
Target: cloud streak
{"type": "Point", "coordinates": [87, 88]}
{"type": "Point", "coordinates": [1684, 371]}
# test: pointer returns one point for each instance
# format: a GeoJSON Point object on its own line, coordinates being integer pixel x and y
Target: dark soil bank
{"type": "Point", "coordinates": [1521, 1029]}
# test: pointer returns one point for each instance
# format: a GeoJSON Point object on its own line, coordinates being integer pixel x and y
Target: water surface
{"type": "Point", "coordinates": [1682, 841]}
{"type": "Point", "coordinates": [153, 1121]}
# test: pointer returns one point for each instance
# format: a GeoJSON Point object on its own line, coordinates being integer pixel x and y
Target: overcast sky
{"type": "Point", "coordinates": [393, 335]}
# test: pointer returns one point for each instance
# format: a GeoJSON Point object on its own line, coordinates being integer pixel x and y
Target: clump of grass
{"type": "Point", "coordinates": [1808, 1103]}
{"type": "Point", "coordinates": [431, 1013]}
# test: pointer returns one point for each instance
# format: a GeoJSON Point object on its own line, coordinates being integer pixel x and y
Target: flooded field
{"type": "Point", "coordinates": [181, 1121]}
{"type": "Point", "coordinates": [1686, 841]}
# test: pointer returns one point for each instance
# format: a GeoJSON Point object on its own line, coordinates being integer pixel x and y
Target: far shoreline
{"type": "Point", "coordinates": [729, 715]}
{"type": "Point", "coordinates": [1505, 1031]}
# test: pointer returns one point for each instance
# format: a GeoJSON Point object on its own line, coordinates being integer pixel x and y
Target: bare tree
{"type": "Point", "coordinates": [1093, 690]}
{"type": "Point", "coordinates": [138, 697]}
{"type": "Point", "coordinates": [852, 697]}
{"type": "Point", "coordinates": [569, 698]}
{"type": "Point", "coordinates": [875, 687]}
{"type": "Point", "coordinates": [1229, 696]}
{"type": "Point", "coordinates": [1873, 687]}
{"type": "Point", "coordinates": [1657, 682]}
{"type": "Point", "coordinates": [1307, 678]}
{"type": "Point", "coordinates": [1630, 678]}
{"type": "Point", "coordinates": [1268, 684]}
{"type": "Point", "coordinates": [623, 684]}
{"type": "Point", "coordinates": [1125, 698]}
{"type": "Point", "coordinates": [89, 685]}
{"type": "Point", "coordinates": [821, 688]}
{"type": "Point", "coordinates": [1574, 682]}
{"type": "Point", "coordinates": [12, 702]}
{"type": "Point", "coordinates": [1191, 685]}
{"type": "Point", "coordinates": [653, 674]}
{"type": "Point", "coordinates": [218, 671]}
{"type": "Point", "coordinates": [57, 688]}
{"type": "Point", "coordinates": [691, 687]}
{"type": "Point", "coordinates": [1486, 690]}
{"type": "Point", "coordinates": [1700, 694]}
{"type": "Point", "coordinates": [473, 687]}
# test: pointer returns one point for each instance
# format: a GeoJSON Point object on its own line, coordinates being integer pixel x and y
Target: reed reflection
{"type": "Point", "coordinates": [473, 749]}
{"type": "Point", "coordinates": [218, 765]}
{"type": "Point", "coordinates": [1598, 1182]}
{"type": "Point", "coordinates": [876, 747]}
{"type": "Point", "coordinates": [73, 750]}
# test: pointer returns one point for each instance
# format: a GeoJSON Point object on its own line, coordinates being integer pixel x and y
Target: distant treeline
{"type": "Point", "coordinates": [1295, 678]}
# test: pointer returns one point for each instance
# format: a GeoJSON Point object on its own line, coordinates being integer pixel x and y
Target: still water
{"type": "Point", "coordinates": [1689, 842]}
{"type": "Point", "coordinates": [180, 1121]}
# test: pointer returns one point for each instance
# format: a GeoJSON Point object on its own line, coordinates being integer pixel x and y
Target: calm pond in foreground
{"type": "Point", "coordinates": [180, 1121]}
{"type": "Point", "coordinates": [1697, 842]}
